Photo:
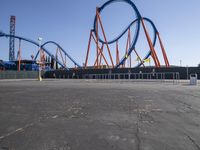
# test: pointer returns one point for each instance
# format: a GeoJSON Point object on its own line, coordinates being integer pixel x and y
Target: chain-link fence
{"type": "Point", "coordinates": [18, 74]}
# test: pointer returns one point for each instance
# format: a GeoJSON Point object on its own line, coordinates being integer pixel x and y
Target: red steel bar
{"type": "Point", "coordinates": [97, 37]}
{"type": "Point", "coordinates": [99, 18]}
{"type": "Point", "coordinates": [101, 55]}
{"type": "Point", "coordinates": [153, 52]}
{"type": "Point", "coordinates": [88, 49]}
{"type": "Point", "coordinates": [126, 52]}
{"type": "Point", "coordinates": [98, 56]}
{"type": "Point", "coordinates": [101, 51]}
{"type": "Point", "coordinates": [117, 53]}
{"type": "Point", "coordinates": [163, 51]}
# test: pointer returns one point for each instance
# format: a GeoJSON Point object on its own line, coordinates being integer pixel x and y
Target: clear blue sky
{"type": "Point", "coordinates": [68, 22]}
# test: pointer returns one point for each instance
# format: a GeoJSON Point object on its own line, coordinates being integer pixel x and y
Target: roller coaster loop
{"type": "Point", "coordinates": [131, 47]}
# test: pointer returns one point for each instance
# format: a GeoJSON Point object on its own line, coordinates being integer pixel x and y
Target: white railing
{"type": "Point", "coordinates": [162, 76]}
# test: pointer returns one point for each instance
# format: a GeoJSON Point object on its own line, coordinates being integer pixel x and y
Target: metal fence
{"type": "Point", "coordinates": [18, 74]}
{"type": "Point", "coordinates": [163, 77]}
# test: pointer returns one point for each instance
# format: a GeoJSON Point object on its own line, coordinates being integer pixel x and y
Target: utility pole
{"type": "Point", "coordinates": [40, 62]}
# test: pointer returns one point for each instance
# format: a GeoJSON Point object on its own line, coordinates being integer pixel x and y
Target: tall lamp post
{"type": "Point", "coordinates": [39, 70]}
{"type": "Point", "coordinates": [180, 63]}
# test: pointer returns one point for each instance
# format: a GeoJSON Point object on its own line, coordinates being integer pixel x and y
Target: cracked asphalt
{"type": "Point", "coordinates": [98, 115]}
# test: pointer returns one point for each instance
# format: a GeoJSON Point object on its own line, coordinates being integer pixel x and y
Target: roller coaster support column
{"type": "Point", "coordinates": [88, 49]}
{"type": "Point", "coordinates": [19, 56]}
{"type": "Point", "coordinates": [117, 53]}
{"type": "Point", "coordinates": [126, 52]}
{"type": "Point", "coordinates": [128, 45]}
{"type": "Point", "coordinates": [163, 51]}
{"type": "Point", "coordinates": [100, 60]}
{"type": "Point", "coordinates": [104, 35]}
{"type": "Point", "coordinates": [96, 63]}
{"type": "Point", "coordinates": [129, 34]}
{"type": "Point", "coordinates": [101, 55]}
{"type": "Point", "coordinates": [153, 52]}
{"type": "Point", "coordinates": [100, 51]}
{"type": "Point", "coordinates": [58, 50]}
{"type": "Point", "coordinates": [97, 37]}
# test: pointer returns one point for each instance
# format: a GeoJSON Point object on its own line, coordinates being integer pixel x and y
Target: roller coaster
{"type": "Point", "coordinates": [103, 44]}
{"type": "Point", "coordinates": [42, 48]}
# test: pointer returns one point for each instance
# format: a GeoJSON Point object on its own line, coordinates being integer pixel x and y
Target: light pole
{"type": "Point", "coordinates": [187, 72]}
{"type": "Point", "coordinates": [39, 69]}
{"type": "Point", "coordinates": [180, 63]}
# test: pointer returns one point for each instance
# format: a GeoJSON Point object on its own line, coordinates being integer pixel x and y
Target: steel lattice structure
{"type": "Point", "coordinates": [12, 40]}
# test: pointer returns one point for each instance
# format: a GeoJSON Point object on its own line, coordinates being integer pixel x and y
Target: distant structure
{"type": "Point", "coordinates": [12, 39]}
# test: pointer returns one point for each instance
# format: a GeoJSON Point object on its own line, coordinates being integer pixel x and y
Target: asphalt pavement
{"type": "Point", "coordinates": [98, 115]}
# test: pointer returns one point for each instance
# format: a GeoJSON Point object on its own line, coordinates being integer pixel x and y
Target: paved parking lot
{"type": "Point", "coordinates": [98, 115]}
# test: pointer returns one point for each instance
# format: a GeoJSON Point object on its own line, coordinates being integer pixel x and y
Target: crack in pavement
{"type": "Point", "coordinates": [193, 141]}
{"type": "Point", "coordinates": [137, 134]}
{"type": "Point", "coordinates": [16, 131]}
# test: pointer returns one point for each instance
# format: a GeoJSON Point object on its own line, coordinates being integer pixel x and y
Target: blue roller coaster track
{"type": "Point", "coordinates": [45, 50]}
